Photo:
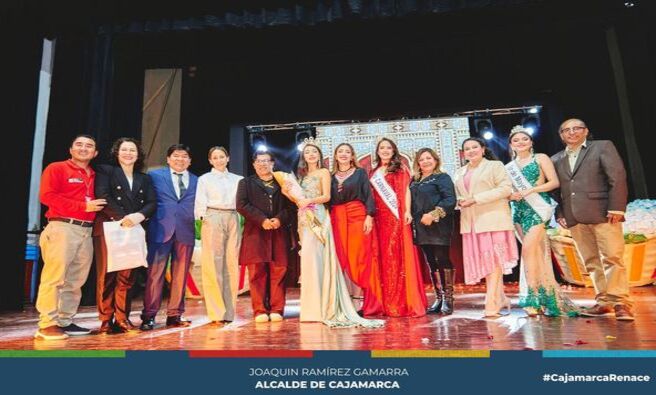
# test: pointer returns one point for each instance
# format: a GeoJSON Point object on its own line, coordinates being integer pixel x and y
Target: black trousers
{"type": "Point", "coordinates": [437, 257]}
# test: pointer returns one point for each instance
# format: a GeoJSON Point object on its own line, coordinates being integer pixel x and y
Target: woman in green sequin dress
{"type": "Point", "coordinates": [539, 293]}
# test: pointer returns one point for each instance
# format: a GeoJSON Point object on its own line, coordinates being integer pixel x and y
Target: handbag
{"type": "Point", "coordinates": [126, 246]}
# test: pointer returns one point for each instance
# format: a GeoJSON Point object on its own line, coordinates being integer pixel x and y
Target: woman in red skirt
{"type": "Point", "coordinates": [352, 211]}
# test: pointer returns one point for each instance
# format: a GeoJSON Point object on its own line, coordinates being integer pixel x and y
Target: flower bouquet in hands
{"type": "Point", "coordinates": [292, 189]}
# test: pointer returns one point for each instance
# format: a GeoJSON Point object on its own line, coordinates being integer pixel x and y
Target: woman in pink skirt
{"type": "Point", "coordinates": [489, 248]}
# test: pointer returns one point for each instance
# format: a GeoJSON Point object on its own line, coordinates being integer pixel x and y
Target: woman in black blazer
{"type": "Point", "coordinates": [433, 202]}
{"type": "Point", "coordinates": [130, 199]}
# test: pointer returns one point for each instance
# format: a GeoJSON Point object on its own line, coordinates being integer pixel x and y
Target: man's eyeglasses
{"type": "Point", "coordinates": [574, 129]}
{"type": "Point", "coordinates": [263, 161]}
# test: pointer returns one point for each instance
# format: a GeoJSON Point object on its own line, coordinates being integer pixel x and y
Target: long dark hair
{"type": "Point", "coordinates": [302, 169]}
{"type": "Point", "coordinates": [141, 155]}
{"type": "Point", "coordinates": [395, 161]}
{"type": "Point", "coordinates": [354, 162]}
{"type": "Point", "coordinates": [487, 153]}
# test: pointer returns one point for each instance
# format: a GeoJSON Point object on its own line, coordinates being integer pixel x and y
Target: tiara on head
{"type": "Point", "coordinates": [310, 140]}
{"type": "Point", "coordinates": [518, 129]}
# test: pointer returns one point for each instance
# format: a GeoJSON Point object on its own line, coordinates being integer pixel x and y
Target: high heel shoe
{"type": "Point", "coordinates": [531, 311]}
{"type": "Point", "coordinates": [497, 314]}
{"type": "Point", "coordinates": [506, 305]}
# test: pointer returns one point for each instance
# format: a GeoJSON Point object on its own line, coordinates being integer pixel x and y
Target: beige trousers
{"type": "Point", "coordinates": [67, 252]}
{"type": "Point", "coordinates": [602, 248]}
{"type": "Point", "coordinates": [220, 241]}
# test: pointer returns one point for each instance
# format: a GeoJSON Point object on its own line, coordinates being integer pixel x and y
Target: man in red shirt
{"type": "Point", "coordinates": [67, 188]}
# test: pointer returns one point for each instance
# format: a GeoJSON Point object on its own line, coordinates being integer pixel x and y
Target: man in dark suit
{"type": "Point", "coordinates": [593, 197]}
{"type": "Point", "coordinates": [266, 240]}
{"type": "Point", "coordinates": [170, 235]}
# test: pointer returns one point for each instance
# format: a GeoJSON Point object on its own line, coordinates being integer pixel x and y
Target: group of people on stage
{"type": "Point", "coordinates": [357, 232]}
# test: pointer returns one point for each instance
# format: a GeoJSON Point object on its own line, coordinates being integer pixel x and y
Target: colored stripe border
{"type": "Point", "coordinates": [251, 354]}
{"type": "Point", "coordinates": [430, 354]}
{"type": "Point", "coordinates": [599, 354]}
{"type": "Point", "coordinates": [62, 354]}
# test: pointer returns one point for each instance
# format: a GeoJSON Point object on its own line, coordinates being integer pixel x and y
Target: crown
{"type": "Point", "coordinates": [310, 140]}
{"type": "Point", "coordinates": [518, 129]}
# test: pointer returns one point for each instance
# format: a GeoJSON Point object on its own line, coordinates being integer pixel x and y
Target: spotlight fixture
{"type": "Point", "coordinates": [531, 123]}
{"type": "Point", "coordinates": [629, 4]}
{"type": "Point", "coordinates": [258, 142]}
{"type": "Point", "coordinates": [533, 110]}
{"type": "Point", "coordinates": [483, 127]}
{"type": "Point", "coordinates": [301, 135]}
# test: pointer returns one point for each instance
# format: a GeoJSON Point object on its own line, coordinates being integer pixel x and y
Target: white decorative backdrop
{"type": "Point", "coordinates": [444, 135]}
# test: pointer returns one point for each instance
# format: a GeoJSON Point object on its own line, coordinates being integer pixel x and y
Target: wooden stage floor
{"type": "Point", "coordinates": [464, 330]}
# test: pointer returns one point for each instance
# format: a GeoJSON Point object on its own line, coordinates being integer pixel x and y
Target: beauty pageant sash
{"type": "Point", "coordinates": [385, 191]}
{"type": "Point", "coordinates": [537, 203]}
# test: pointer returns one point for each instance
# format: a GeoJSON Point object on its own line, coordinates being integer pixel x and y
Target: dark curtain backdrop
{"type": "Point", "coordinates": [251, 62]}
{"type": "Point", "coordinates": [20, 75]}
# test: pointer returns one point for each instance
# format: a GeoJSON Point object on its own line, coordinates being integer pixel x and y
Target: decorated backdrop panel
{"type": "Point", "coordinates": [444, 135]}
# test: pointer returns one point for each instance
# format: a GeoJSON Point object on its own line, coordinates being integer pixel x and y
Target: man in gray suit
{"type": "Point", "coordinates": [593, 195]}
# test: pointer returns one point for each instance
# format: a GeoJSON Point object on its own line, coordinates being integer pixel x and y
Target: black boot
{"type": "Point", "coordinates": [439, 294]}
{"type": "Point", "coordinates": [449, 276]}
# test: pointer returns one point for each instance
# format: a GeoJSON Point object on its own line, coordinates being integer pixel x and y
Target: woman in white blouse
{"type": "Point", "coordinates": [220, 237]}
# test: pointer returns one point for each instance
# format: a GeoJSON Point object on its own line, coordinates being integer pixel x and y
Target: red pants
{"type": "Point", "coordinates": [267, 287]}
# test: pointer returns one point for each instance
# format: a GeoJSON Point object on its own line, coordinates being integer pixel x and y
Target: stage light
{"type": "Point", "coordinates": [531, 123]}
{"type": "Point", "coordinates": [258, 142]}
{"type": "Point", "coordinates": [533, 110]}
{"type": "Point", "coordinates": [301, 135]}
{"type": "Point", "coordinates": [483, 127]}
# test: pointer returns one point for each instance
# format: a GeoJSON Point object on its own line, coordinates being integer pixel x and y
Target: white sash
{"type": "Point", "coordinates": [537, 203]}
{"type": "Point", "coordinates": [385, 191]}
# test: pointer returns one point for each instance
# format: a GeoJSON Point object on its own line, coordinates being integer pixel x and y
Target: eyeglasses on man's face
{"type": "Point", "coordinates": [574, 129]}
{"type": "Point", "coordinates": [263, 161]}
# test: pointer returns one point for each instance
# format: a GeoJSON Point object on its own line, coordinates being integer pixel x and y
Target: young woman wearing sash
{"type": "Point", "coordinates": [533, 175]}
{"type": "Point", "coordinates": [489, 248]}
{"type": "Point", "coordinates": [352, 209]}
{"type": "Point", "coordinates": [433, 201]}
{"type": "Point", "coordinates": [401, 280]}
{"type": "Point", "coordinates": [324, 295]}
{"type": "Point", "coordinates": [215, 206]}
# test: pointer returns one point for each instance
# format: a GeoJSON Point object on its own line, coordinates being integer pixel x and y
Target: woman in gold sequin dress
{"type": "Point", "coordinates": [324, 294]}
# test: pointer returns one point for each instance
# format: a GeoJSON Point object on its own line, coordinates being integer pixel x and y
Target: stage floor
{"type": "Point", "coordinates": [466, 329]}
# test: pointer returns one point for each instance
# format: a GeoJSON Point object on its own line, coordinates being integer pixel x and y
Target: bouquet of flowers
{"type": "Point", "coordinates": [292, 189]}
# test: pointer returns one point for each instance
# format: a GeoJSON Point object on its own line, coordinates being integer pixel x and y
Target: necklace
{"type": "Point", "coordinates": [340, 171]}
{"type": "Point", "coordinates": [342, 175]}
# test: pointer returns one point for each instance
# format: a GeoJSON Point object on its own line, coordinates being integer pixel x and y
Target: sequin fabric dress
{"type": "Point", "coordinates": [538, 288]}
{"type": "Point", "coordinates": [324, 294]}
{"type": "Point", "coordinates": [522, 212]}
{"type": "Point", "coordinates": [401, 280]}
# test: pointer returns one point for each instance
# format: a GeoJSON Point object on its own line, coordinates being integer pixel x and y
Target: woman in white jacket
{"type": "Point", "coordinates": [489, 248]}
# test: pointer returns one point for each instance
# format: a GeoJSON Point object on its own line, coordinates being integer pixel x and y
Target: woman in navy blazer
{"type": "Point", "coordinates": [130, 199]}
